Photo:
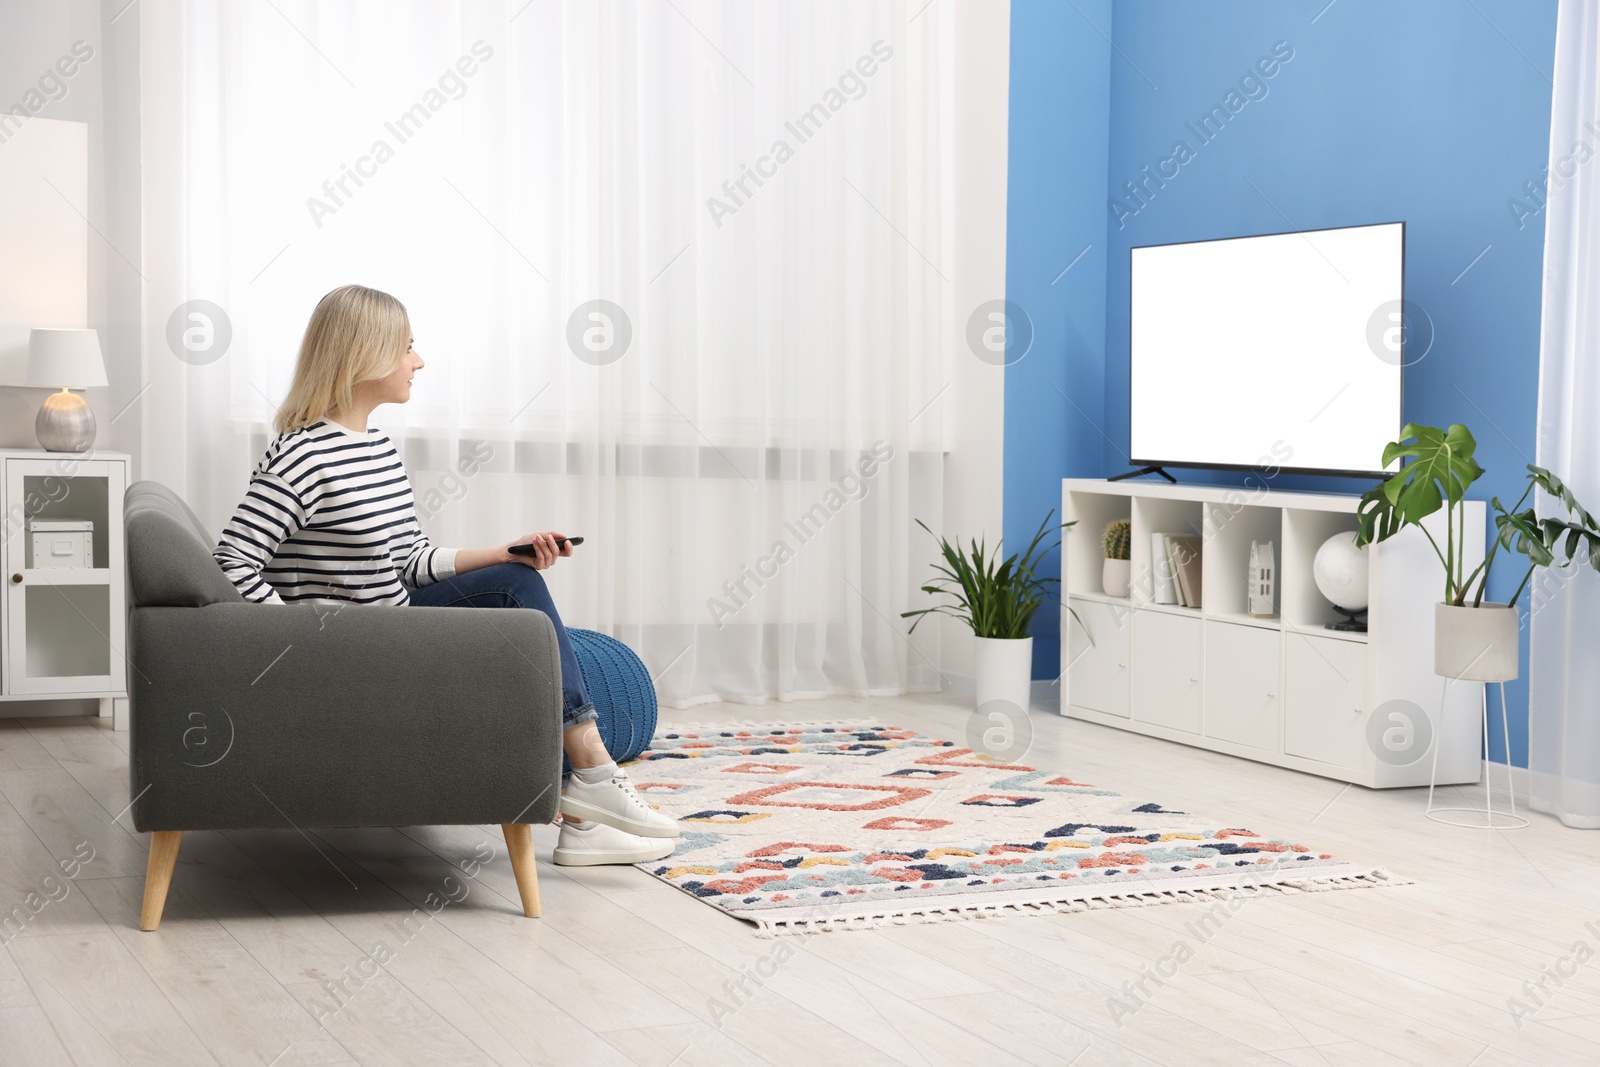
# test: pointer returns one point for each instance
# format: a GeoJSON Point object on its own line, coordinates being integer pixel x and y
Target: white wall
{"type": "Point", "coordinates": [44, 270]}
{"type": "Point", "coordinates": [103, 92]}
{"type": "Point", "coordinates": [975, 402]}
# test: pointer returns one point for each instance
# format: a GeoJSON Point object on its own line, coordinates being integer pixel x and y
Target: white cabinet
{"type": "Point", "coordinates": [1326, 716]}
{"type": "Point", "coordinates": [1166, 680]}
{"type": "Point", "coordinates": [1243, 684]}
{"type": "Point", "coordinates": [1097, 666]}
{"type": "Point", "coordinates": [1284, 690]}
{"type": "Point", "coordinates": [63, 625]}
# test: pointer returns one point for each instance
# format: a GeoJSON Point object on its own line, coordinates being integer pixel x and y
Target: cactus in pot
{"type": "Point", "coordinates": [1117, 539]}
{"type": "Point", "coordinates": [1116, 542]}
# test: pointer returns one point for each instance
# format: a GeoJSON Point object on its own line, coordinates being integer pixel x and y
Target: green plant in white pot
{"type": "Point", "coordinates": [997, 599]}
{"type": "Point", "coordinates": [1115, 543]}
{"type": "Point", "coordinates": [1473, 640]}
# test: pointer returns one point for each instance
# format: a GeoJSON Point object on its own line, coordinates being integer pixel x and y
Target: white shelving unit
{"type": "Point", "coordinates": [62, 629]}
{"type": "Point", "coordinates": [1284, 690]}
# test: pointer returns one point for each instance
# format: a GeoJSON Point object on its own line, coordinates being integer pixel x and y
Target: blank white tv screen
{"type": "Point", "coordinates": [1276, 351]}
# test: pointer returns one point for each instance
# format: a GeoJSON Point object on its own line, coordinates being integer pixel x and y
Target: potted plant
{"type": "Point", "coordinates": [1473, 640]}
{"type": "Point", "coordinates": [1115, 542]}
{"type": "Point", "coordinates": [996, 598]}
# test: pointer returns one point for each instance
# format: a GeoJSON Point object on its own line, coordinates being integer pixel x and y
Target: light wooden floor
{"type": "Point", "coordinates": [265, 954]}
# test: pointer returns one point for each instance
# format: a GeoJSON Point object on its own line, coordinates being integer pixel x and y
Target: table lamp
{"type": "Point", "coordinates": [71, 360]}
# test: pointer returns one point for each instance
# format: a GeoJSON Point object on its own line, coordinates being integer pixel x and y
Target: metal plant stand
{"type": "Point", "coordinates": [1485, 818]}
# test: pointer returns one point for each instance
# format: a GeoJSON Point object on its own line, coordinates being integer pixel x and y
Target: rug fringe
{"type": "Point", "coordinates": [768, 928]}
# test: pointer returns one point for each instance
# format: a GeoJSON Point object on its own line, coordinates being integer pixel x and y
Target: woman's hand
{"type": "Point", "coordinates": [546, 549]}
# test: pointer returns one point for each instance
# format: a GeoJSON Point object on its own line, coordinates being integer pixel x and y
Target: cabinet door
{"type": "Point", "coordinates": [1097, 667]}
{"type": "Point", "coordinates": [1166, 670]}
{"type": "Point", "coordinates": [64, 625]}
{"type": "Point", "coordinates": [1242, 691]}
{"type": "Point", "coordinates": [1325, 715]}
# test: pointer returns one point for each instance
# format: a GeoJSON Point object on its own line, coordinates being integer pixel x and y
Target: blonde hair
{"type": "Point", "coordinates": [355, 335]}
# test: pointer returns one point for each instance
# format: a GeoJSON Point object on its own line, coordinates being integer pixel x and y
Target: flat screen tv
{"type": "Point", "coordinates": [1284, 350]}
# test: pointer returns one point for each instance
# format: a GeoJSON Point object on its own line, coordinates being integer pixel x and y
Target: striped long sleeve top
{"type": "Point", "coordinates": [329, 517]}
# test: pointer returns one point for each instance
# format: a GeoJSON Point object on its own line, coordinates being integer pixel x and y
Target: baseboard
{"type": "Point", "coordinates": [75, 707]}
{"type": "Point", "coordinates": [1519, 778]}
{"type": "Point", "coordinates": [1044, 694]}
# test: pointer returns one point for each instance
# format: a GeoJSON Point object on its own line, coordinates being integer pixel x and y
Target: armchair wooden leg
{"type": "Point", "coordinates": [158, 876]}
{"type": "Point", "coordinates": [519, 844]}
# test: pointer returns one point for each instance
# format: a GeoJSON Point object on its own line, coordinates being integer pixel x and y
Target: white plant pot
{"type": "Point", "coordinates": [1114, 577]}
{"type": "Point", "coordinates": [1004, 669]}
{"type": "Point", "coordinates": [1475, 644]}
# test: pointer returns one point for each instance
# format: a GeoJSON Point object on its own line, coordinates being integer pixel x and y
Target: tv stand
{"type": "Point", "coordinates": [1360, 706]}
{"type": "Point", "coordinates": [1140, 473]}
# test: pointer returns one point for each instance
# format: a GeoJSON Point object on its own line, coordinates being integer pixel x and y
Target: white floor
{"type": "Point", "coordinates": [266, 952]}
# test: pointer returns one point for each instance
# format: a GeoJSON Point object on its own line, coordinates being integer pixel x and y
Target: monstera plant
{"type": "Point", "coordinates": [1439, 469]}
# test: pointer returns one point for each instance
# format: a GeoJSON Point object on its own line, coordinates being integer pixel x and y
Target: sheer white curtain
{"type": "Point", "coordinates": [1564, 694]}
{"type": "Point", "coordinates": [742, 434]}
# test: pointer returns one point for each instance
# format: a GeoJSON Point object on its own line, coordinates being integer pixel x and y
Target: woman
{"type": "Point", "coordinates": [329, 517]}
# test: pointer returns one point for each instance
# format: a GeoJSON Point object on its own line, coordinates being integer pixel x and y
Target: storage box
{"type": "Point", "coordinates": [62, 543]}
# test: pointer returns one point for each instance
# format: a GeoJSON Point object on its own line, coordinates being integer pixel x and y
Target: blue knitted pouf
{"type": "Point", "coordinates": [623, 694]}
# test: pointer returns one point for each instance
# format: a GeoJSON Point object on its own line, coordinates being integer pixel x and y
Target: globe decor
{"type": "Point", "coordinates": [1340, 571]}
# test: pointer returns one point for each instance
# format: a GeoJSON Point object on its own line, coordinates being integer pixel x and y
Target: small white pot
{"type": "Point", "coordinates": [1114, 577]}
{"type": "Point", "coordinates": [1475, 644]}
{"type": "Point", "coordinates": [1004, 669]}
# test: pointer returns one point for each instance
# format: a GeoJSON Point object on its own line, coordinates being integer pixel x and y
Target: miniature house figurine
{"type": "Point", "coordinates": [1261, 579]}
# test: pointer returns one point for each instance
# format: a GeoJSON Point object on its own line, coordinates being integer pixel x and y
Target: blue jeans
{"type": "Point", "coordinates": [515, 585]}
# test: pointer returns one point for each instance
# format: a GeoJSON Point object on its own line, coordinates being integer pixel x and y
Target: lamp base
{"type": "Point", "coordinates": [65, 423]}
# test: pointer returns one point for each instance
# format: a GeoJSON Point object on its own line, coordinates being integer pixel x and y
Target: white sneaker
{"type": "Point", "coordinates": [597, 843]}
{"type": "Point", "coordinates": [617, 804]}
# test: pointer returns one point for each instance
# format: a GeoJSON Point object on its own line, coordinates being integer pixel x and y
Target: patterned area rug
{"type": "Point", "coordinates": [815, 826]}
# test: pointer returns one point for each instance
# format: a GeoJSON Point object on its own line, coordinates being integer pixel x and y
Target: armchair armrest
{"type": "Point", "coordinates": [251, 716]}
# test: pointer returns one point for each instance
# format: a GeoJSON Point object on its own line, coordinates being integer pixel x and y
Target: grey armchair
{"type": "Point", "coordinates": [250, 716]}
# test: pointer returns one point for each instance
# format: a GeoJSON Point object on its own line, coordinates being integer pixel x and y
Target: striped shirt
{"type": "Point", "coordinates": [329, 517]}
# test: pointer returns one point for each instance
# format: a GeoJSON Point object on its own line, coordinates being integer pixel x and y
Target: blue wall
{"type": "Point", "coordinates": [1431, 111]}
{"type": "Point", "coordinates": [1055, 204]}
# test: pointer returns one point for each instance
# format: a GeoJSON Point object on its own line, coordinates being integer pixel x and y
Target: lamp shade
{"type": "Point", "coordinates": [65, 359]}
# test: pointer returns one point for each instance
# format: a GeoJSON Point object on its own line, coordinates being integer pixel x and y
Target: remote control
{"type": "Point", "coordinates": [528, 550]}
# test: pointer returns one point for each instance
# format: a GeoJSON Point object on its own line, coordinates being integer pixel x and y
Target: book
{"type": "Point", "coordinates": [1186, 557]}
{"type": "Point", "coordinates": [1166, 578]}
{"type": "Point", "coordinates": [1172, 565]}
